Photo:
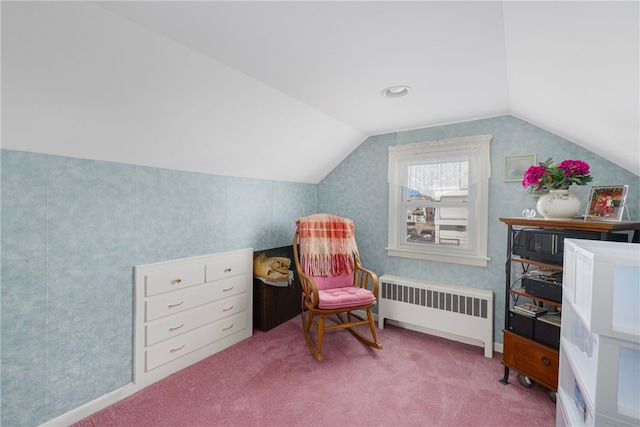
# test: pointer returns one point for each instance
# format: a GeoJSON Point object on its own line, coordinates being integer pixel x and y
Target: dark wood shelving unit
{"type": "Point", "coordinates": [532, 358]}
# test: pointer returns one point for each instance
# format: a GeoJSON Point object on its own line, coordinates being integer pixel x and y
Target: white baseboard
{"type": "Point", "coordinates": [92, 407]}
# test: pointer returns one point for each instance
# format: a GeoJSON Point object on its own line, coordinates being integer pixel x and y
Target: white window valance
{"type": "Point", "coordinates": [450, 150]}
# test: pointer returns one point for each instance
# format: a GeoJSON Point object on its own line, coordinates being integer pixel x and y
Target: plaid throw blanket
{"type": "Point", "coordinates": [327, 244]}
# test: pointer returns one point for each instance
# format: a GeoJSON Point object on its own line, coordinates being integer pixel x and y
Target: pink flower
{"type": "Point", "coordinates": [533, 175]}
{"type": "Point", "coordinates": [547, 176]}
{"type": "Point", "coordinates": [574, 167]}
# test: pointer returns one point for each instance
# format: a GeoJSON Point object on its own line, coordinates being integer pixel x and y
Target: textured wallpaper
{"type": "Point", "coordinates": [72, 232]}
{"type": "Point", "coordinates": [358, 189]}
{"type": "Point", "coordinates": [73, 229]}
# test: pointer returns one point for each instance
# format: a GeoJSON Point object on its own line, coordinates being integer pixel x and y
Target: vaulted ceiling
{"type": "Point", "coordinates": [286, 90]}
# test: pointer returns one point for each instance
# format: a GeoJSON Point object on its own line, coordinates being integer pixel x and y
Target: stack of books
{"type": "Point", "coordinates": [529, 309]}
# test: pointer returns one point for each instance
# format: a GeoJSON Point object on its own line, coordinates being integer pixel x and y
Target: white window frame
{"type": "Point", "coordinates": [477, 227]}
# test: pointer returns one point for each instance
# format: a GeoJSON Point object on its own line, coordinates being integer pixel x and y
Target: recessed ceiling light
{"type": "Point", "coordinates": [396, 91]}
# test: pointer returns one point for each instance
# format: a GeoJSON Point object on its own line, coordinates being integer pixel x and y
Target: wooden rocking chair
{"type": "Point", "coordinates": [345, 288]}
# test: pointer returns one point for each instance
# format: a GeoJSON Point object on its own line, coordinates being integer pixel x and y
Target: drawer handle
{"type": "Point", "coordinates": [546, 361]}
{"type": "Point", "coordinates": [227, 270]}
{"type": "Point", "coordinates": [228, 327]}
{"type": "Point", "coordinates": [227, 289]}
{"type": "Point", "coordinates": [175, 328]}
{"type": "Point", "coordinates": [228, 308]}
{"type": "Point", "coordinates": [176, 304]}
{"type": "Point", "coordinates": [178, 280]}
{"type": "Point", "coordinates": [173, 350]}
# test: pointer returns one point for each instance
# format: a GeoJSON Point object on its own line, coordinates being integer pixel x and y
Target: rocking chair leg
{"type": "Point", "coordinates": [307, 322]}
{"type": "Point", "coordinates": [306, 327]}
{"type": "Point", "coordinates": [372, 326]}
{"type": "Point", "coordinates": [318, 354]}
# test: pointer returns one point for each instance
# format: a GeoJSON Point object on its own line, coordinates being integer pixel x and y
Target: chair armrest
{"type": "Point", "coordinates": [365, 278]}
{"type": "Point", "coordinates": [310, 289]}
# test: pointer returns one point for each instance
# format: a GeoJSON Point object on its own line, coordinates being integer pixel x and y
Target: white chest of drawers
{"type": "Point", "coordinates": [189, 309]}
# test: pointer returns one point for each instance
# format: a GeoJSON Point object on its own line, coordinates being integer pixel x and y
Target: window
{"type": "Point", "coordinates": [438, 200]}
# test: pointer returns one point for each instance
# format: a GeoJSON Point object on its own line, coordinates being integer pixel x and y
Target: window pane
{"type": "Point", "coordinates": [415, 195]}
{"type": "Point", "coordinates": [435, 181]}
{"type": "Point", "coordinates": [452, 234]}
{"type": "Point", "coordinates": [438, 193]}
{"type": "Point", "coordinates": [437, 225]}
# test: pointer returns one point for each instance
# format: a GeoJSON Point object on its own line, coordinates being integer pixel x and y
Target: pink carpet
{"type": "Point", "coordinates": [271, 379]}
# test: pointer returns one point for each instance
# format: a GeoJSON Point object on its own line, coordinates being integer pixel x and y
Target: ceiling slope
{"type": "Point", "coordinates": [286, 90]}
{"type": "Point", "coordinates": [339, 56]}
{"type": "Point", "coordinates": [574, 70]}
{"type": "Point", "coordinates": [78, 81]}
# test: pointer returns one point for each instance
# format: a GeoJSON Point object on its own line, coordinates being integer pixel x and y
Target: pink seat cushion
{"type": "Point", "coordinates": [339, 292]}
{"type": "Point", "coordinates": [332, 282]}
{"type": "Point", "coordinates": [347, 296]}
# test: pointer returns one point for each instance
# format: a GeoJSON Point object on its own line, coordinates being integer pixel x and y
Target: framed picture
{"type": "Point", "coordinates": [606, 203]}
{"type": "Point", "coordinates": [514, 166]}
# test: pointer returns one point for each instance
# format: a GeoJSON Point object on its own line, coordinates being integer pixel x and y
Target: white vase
{"type": "Point", "coordinates": [558, 204]}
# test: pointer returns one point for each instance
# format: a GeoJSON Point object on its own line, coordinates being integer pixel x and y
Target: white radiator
{"type": "Point", "coordinates": [451, 309]}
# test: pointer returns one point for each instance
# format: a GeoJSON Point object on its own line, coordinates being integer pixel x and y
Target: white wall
{"type": "Point", "coordinates": [81, 82]}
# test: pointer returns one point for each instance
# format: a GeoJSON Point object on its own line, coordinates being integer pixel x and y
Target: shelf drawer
{"type": "Point", "coordinates": [169, 350]}
{"type": "Point", "coordinates": [231, 264]}
{"type": "Point", "coordinates": [601, 281]}
{"type": "Point", "coordinates": [176, 302]}
{"type": "Point", "coordinates": [538, 362]}
{"type": "Point", "coordinates": [607, 376]}
{"type": "Point", "coordinates": [171, 277]}
{"type": "Point", "coordinates": [181, 323]}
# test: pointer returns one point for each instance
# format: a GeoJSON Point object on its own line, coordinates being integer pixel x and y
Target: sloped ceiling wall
{"type": "Point", "coordinates": [286, 90]}
{"type": "Point", "coordinates": [573, 70]}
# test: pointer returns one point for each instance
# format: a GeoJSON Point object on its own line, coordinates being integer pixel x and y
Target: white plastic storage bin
{"type": "Point", "coordinates": [577, 407]}
{"type": "Point", "coordinates": [601, 389]}
{"type": "Point", "coordinates": [602, 280]}
{"type": "Point", "coordinates": [599, 374]}
{"type": "Point", "coordinates": [581, 347]}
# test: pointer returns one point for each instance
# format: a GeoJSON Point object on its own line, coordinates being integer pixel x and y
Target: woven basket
{"type": "Point", "coordinates": [274, 305]}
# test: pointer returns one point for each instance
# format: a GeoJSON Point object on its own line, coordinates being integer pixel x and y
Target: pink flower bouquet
{"type": "Point", "coordinates": [539, 179]}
